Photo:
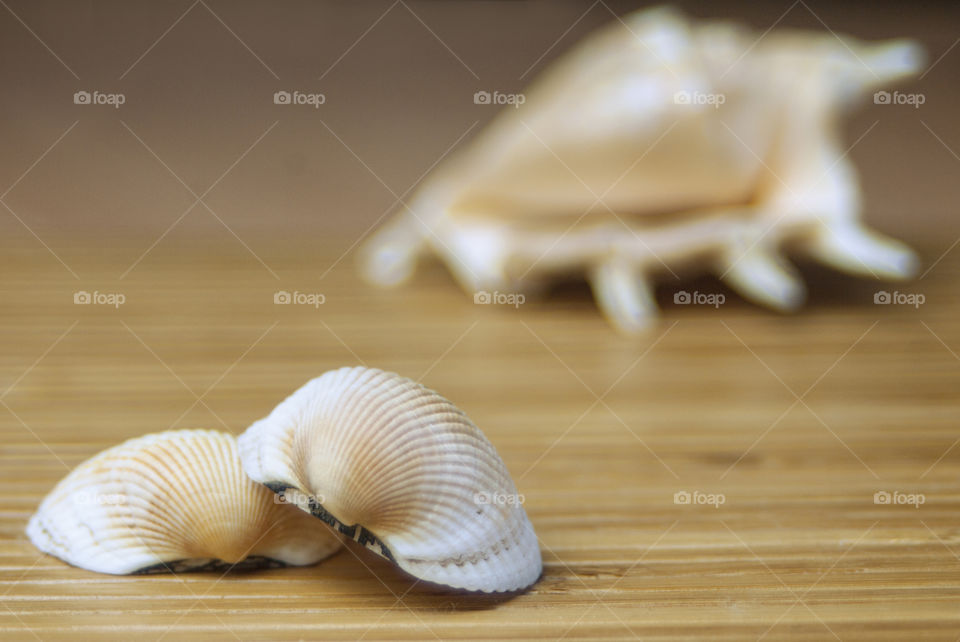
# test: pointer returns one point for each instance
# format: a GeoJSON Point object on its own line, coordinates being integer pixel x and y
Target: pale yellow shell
{"type": "Point", "coordinates": [400, 469]}
{"type": "Point", "coordinates": [172, 501]}
{"type": "Point", "coordinates": [656, 143]}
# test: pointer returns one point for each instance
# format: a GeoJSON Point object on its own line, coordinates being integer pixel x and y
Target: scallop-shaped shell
{"type": "Point", "coordinates": [656, 143]}
{"type": "Point", "coordinates": [172, 501]}
{"type": "Point", "coordinates": [402, 471]}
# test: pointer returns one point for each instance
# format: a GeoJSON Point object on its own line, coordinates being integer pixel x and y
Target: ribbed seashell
{"type": "Point", "coordinates": [655, 144]}
{"type": "Point", "coordinates": [399, 469]}
{"type": "Point", "coordinates": [173, 501]}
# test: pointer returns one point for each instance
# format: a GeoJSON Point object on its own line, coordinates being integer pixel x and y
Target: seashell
{"type": "Point", "coordinates": [402, 471]}
{"type": "Point", "coordinates": [655, 144]}
{"type": "Point", "coordinates": [172, 501]}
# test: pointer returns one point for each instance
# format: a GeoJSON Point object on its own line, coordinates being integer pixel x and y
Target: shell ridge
{"type": "Point", "coordinates": [393, 465]}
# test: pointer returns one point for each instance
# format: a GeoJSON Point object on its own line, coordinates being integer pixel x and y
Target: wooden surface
{"type": "Point", "coordinates": [796, 421]}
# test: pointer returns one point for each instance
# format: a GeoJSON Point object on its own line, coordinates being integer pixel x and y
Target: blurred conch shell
{"type": "Point", "coordinates": [655, 143]}
{"type": "Point", "coordinates": [173, 501]}
{"type": "Point", "coordinates": [402, 471]}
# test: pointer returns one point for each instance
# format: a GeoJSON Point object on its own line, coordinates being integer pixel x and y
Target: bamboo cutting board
{"type": "Point", "coordinates": [723, 475]}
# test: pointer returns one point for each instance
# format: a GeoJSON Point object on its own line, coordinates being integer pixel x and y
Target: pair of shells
{"type": "Point", "coordinates": [660, 144]}
{"type": "Point", "coordinates": [376, 457]}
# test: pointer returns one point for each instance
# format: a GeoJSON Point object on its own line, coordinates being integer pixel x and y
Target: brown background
{"type": "Point", "coordinates": [398, 100]}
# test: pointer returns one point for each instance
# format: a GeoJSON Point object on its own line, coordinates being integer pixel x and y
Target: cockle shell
{"type": "Point", "coordinates": [655, 143]}
{"type": "Point", "coordinates": [402, 471]}
{"type": "Point", "coordinates": [172, 501]}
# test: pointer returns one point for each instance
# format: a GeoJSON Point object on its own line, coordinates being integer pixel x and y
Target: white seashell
{"type": "Point", "coordinates": [175, 500]}
{"type": "Point", "coordinates": [401, 470]}
{"type": "Point", "coordinates": [655, 143]}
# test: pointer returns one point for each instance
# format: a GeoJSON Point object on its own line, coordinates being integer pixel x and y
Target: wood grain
{"type": "Point", "coordinates": [796, 421]}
